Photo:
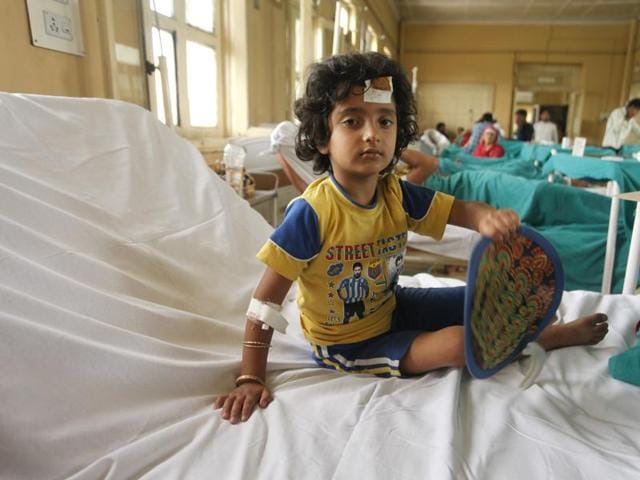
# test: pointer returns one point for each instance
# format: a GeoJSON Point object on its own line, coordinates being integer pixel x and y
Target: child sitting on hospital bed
{"type": "Point", "coordinates": [344, 238]}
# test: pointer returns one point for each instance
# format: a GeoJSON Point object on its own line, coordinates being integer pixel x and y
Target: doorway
{"type": "Point", "coordinates": [559, 115]}
{"type": "Point", "coordinates": [555, 88]}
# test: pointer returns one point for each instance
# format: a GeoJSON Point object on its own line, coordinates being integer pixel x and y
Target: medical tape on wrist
{"type": "Point", "coordinates": [268, 313]}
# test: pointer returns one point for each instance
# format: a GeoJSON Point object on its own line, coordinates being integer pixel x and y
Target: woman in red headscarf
{"type": "Point", "coordinates": [488, 146]}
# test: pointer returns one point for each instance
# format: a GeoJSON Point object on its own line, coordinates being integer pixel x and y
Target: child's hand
{"type": "Point", "coordinates": [239, 404]}
{"type": "Point", "coordinates": [499, 224]}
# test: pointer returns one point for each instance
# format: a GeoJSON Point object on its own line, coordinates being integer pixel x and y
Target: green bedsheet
{"type": "Point", "coordinates": [454, 160]}
{"type": "Point", "coordinates": [542, 153]}
{"type": "Point", "coordinates": [527, 153]}
{"type": "Point", "coordinates": [627, 151]}
{"type": "Point", "coordinates": [626, 173]}
{"type": "Point", "coordinates": [575, 221]}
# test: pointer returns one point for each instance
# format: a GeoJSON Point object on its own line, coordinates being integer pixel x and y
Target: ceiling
{"type": "Point", "coordinates": [517, 11]}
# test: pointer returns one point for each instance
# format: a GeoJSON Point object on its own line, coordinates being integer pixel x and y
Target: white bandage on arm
{"type": "Point", "coordinates": [268, 313]}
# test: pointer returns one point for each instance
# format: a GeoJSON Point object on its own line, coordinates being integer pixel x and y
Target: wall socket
{"type": "Point", "coordinates": [57, 25]}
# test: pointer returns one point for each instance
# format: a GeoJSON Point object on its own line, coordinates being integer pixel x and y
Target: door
{"type": "Point", "coordinates": [559, 116]}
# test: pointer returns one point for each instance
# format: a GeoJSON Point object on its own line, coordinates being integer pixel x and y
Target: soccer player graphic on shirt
{"type": "Point", "coordinates": [395, 265]}
{"type": "Point", "coordinates": [353, 291]}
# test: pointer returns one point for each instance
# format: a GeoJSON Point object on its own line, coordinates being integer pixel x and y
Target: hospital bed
{"type": "Point", "coordinates": [607, 252]}
{"type": "Point", "coordinates": [126, 267]}
{"type": "Point", "coordinates": [623, 178]}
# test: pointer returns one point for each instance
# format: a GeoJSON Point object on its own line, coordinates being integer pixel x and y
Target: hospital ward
{"type": "Point", "coordinates": [320, 239]}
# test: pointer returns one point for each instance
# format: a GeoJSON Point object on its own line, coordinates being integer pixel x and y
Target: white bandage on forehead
{"type": "Point", "coordinates": [268, 313]}
{"type": "Point", "coordinates": [378, 90]}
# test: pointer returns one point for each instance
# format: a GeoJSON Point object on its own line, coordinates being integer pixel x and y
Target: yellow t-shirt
{"type": "Point", "coordinates": [347, 257]}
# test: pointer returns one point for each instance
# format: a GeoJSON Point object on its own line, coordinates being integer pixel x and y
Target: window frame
{"type": "Point", "coordinates": [183, 32]}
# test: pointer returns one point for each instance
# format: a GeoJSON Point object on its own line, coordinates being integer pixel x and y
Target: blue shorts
{"type": "Point", "coordinates": [417, 310]}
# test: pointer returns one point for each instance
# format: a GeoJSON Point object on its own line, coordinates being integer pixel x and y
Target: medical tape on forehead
{"type": "Point", "coordinates": [268, 313]}
{"type": "Point", "coordinates": [378, 90]}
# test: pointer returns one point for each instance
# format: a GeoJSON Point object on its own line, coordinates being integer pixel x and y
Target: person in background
{"type": "Point", "coordinates": [544, 130]}
{"type": "Point", "coordinates": [485, 121]}
{"type": "Point", "coordinates": [462, 136]}
{"type": "Point", "coordinates": [488, 146]}
{"type": "Point", "coordinates": [524, 130]}
{"type": "Point", "coordinates": [442, 128]}
{"type": "Point", "coordinates": [622, 126]}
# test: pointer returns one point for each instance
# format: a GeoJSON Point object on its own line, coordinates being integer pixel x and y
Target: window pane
{"type": "Point", "coordinates": [163, 7]}
{"type": "Point", "coordinates": [202, 85]}
{"type": "Point", "coordinates": [344, 20]}
{"type": "Point", "coordinates": [319, 44]}
{"type": "Point", "coordinates": [169, 51]}
{"type": "Point", "coordinates": [371, 40]}
{"type": "Point", "coordinates": [297, 40]}
{"type": "Point", "coordinates": [200, 14]}
{"type": "Point", "coordinates": [353, 26]}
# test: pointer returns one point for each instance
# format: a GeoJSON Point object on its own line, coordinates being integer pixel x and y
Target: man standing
{"type": "Point", "coordinates": [545, 131]}
{"type": "Point", "coordinates": [524, 130]}
{"type": "Point", "coordinates": [622, 127]}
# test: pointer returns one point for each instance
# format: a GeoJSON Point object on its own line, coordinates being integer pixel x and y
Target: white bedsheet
{"type": "Point", "coordinates": [457, 242]}
{"type": "Point", "coordinates": [125, 270]}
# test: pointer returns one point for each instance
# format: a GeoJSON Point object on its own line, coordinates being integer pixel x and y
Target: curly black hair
{"type": "Point", "coordinates": [330, 82]}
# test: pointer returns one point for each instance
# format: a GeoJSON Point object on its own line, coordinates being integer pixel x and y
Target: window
{"type": "Point", "coordinates": [370, 40]}
{"type": "Point", "coordinates": [297, 69]}
{"type": "Point", "coordinates": [344, 19]}
{"type": "Point", "coordinates": [344, 35]}
{"type": "Point", "coordinates": [187, 34]}
{"type": "Point", "coordinates": [353, 27]}
{"type": "Point", "coordinates": [294, 40]}
{"type": "Point", "coordinates": [323, 38]}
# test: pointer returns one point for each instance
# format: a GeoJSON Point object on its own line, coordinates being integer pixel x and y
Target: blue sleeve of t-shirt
{"type": "Point", "coordinates": [416, 200]}
{"type": "Point", "coordinates": [299, 232]}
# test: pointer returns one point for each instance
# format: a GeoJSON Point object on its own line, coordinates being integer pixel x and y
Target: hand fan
{"type": "Point", "coordinates": [513, 291]}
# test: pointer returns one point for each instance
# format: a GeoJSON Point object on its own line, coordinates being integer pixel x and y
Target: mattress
{"type": "Point", "coordinates": [125, 270]}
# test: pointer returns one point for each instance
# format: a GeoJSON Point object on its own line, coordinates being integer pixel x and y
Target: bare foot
{"type": "Point", "coordinates": [590, 329]}
{"type": "Point", "coordinates": [587, 330]}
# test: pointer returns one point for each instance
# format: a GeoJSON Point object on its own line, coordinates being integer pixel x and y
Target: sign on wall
{"type": "Point", "coordinates": [55, 24]}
